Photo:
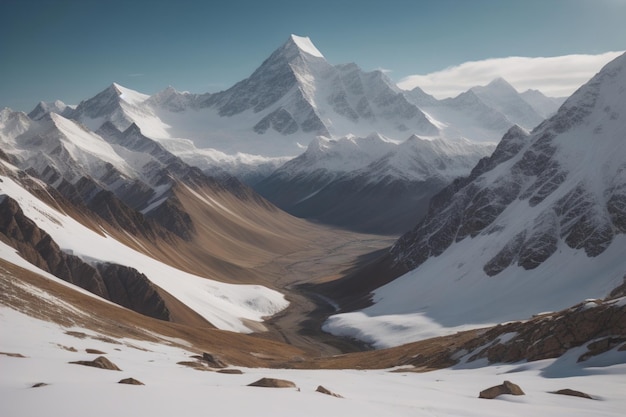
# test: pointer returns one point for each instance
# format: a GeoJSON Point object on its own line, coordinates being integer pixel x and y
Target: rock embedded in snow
{"type": "Point", "coordinates": [573, 393]}
{"type": "Point", "coordinates": [100, 362]}
{"type": "Point", "coordinates": [507, 387]}
{"type": "Point", "coordinates": [326, 391]}
{"type": "Point", "coordinates": [212, 360]}
{"type": "Point", "coordinates": [273, 383]}
{"type": "Point", "coordinates": [130, 381]}
{"type": "Point", "coordinates": [230, 371]}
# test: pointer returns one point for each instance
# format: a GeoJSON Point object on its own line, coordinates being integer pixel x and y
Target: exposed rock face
{"type": "Point", "coordinates": [100, 362]}
{"type": "Point", "coordinates": [110, 208]}
{"type": "Point", "coordinates": [507, 387]}
{"type": "Point", "coordinates": [581, 203]}
{"type": "Point", "coordinates": [552, 335]}
{"type": "Point", "coordinates": [120, 284]}
{"type": "Point", "coordinates": [172, 215]}
{"type": "Point", "coordinates": [284, 88]}
{"type": "Point", "coordinates": [37, 247]}
{"type": "Point", "coordinates": [130, 288]}
{"type": "Point", "coordinates": [461, 209]}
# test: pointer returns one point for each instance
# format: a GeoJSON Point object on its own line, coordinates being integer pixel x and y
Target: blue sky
{"type": "Point", "coordinates": [70, 50]}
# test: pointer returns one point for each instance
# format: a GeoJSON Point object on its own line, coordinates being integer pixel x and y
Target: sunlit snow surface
{"type": "Point", "coordinates": [226, 306]}
{"type": "Point", "coordinates": [175, 390]}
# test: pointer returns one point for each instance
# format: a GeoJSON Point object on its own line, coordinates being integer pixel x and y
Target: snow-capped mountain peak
{"type": "Point", "coordinates": [305, 45]}
{"type": "Point", "coordinates": [503, 97]}
{"type": "Point", "coordinates": [44, 108]}
{"type": "Point", "coordinates": [130, 96]}
{"type": "Point", "coordinates": [496, 86]}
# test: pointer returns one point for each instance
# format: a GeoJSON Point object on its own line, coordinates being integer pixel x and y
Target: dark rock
{"type": "Point", "coordinates": [600, 346]}
{"type": "Point", "coordinates": [553, 334]}
{"type": "Point", "coordinates": [130, 288]}
{"type": "Point", "coordinates": [273, 383]}
{"type": "Point", "coordinates": [95, 351]}
{"type": "Point", "coordinates": [213, 361]}
{"type": "Point", "coordinates": [130, 381]}
{"type": "Point", "coordinates": [119, 284]}
{"type": "Point", "coordinates": [572, 393]}
{"type": "Point", "coordinates": [12, 355]}
{"type": "Point", "coordinates": [39, 385]}
{"type": "Point", "coordinates": [100, 362]}
{"type": "Point", "coordinates": [198, 366]}
{"type": "Point", "coordinates": [231, 371]}
{"type": "Point", "coordinates": [117, 213]}
{"type": "Point", "coordinates": [505, 388]}
{"type": "Point", "coordinates": [327, 392]}
{"type": "Point", "coordinates": [172, 215]}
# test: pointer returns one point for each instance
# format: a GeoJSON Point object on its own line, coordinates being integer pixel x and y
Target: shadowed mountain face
{"type": "Point", "coordinates": [568, 173]}
{"type": "Point", "coordinates": [368, 184]}
{"type": "Point", "coordinates": [120, 284]}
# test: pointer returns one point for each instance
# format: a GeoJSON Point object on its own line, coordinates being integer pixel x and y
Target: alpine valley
{"type": "Point", "coordinates": [315, 225]}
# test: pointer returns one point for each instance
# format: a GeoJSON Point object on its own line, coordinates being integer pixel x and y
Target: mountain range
{"type": "Point", "coordinates": [306, 217]}
{"type": "Point", "coordinates": [297, 98]}
{"type": "Point", "coordinates": [537, 226]}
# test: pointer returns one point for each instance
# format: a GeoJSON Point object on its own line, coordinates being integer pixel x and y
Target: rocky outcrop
{"type": "Point", "coordinates": [100, 362]}
{"type": "Point", "coordinates": [130, 288]}
{"type": "Point", "coordinates": [507, 387]}
{"type": "Point", "coordinates": [211, 360]}
{"type": "Point", "coordinates": [461, 209]}
{"type": "Point", "coordinates": [119, 284]}
{"type": "Point", "coordinates": [38, 247]}
{"type": "Point", "coordinates": [172, 216]}
{"type": "Point", "coordinates": [599, 324]}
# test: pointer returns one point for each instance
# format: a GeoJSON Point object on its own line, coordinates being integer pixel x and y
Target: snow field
{"type": "Point", "coordinates": [172, 389]}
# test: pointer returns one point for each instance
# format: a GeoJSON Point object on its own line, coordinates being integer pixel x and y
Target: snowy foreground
{"type": "Point", "coordinates": [172, 389]}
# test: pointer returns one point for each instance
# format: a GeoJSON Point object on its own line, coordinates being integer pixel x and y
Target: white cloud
{"type": "Point", "coordinates": [554, 76]}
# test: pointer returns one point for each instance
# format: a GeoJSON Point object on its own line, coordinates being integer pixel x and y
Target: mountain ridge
{"type": "Point", "coordinates": [544, 213]}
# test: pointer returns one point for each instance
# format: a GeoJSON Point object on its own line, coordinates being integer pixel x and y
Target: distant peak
{"type": "Point", "coordinates": [304, 44]}
{"type": "Point", "coordinates": [500, 82]}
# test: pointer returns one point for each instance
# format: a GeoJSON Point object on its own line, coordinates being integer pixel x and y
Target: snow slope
{"type": "Point", "coordinates": [537, 227]}
{"type": "Point", "coordinates": [172, 389]}
{"type": "Point", "coordinates": [226, 306]}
